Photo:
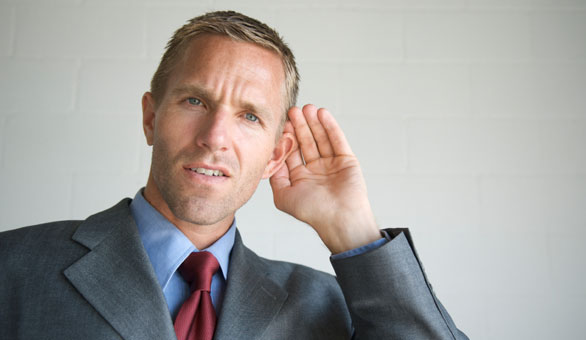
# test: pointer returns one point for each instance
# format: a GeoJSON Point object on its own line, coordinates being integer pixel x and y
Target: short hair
{"type": "Point", "coordinates": [238, 27]}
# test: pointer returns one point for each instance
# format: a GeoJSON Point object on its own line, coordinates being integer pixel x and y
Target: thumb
{"type": "Point", "coordinates": [280, 179]}
{"type": "Point", "coordinates": [279, 183]}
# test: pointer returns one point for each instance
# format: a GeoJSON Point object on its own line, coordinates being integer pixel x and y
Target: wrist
{"type": "Point", "coordinates": [350, 236]}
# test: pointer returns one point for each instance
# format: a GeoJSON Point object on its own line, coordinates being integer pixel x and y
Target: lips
{"type": "Point", "coordinates": [208, 172]}
{"type": "Point", "coordinates": [207, 169]}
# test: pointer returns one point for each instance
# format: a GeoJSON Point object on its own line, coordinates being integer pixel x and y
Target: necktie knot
{"type": "Point", "coordinates": [197, 319]}
{"type": "Point", "coordinates": [198, 269]}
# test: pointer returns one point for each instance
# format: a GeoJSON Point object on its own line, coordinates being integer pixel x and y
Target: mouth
{"type": "Point", "coordinates": [208, 172]}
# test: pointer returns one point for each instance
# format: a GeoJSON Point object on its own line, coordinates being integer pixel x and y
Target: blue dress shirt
{"type": "Point", "coordinates": [167, 247]}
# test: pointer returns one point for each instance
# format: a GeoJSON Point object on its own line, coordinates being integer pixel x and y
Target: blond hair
{"type": "Point", "coordinates": [238, 27]}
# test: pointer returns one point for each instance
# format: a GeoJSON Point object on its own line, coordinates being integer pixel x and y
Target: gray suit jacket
{"type": "Point", "coordinates": [92, 279]}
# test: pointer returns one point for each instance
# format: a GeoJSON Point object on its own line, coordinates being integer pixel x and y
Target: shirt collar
{"type": "Point", "coordinates": [167, 247]}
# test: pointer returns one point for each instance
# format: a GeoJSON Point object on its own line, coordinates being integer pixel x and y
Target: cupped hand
{"type": "Point", "coordinates": [321, 182]}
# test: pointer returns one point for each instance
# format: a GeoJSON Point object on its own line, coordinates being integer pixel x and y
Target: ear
{"type": "Point", "coordinates": [148, 117]}
{"type": "Point", "coordinates": [285, 146]}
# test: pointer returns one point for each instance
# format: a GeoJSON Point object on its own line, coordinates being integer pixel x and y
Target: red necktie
{"type": "Point", "coordinates": [197, 319]}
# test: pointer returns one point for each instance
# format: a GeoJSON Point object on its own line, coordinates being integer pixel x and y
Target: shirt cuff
{"type": "Point", "coordinates": [365, 248]}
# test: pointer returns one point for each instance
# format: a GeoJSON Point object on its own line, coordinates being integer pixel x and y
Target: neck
{"type": "Point", "coordinates": [202, 236]}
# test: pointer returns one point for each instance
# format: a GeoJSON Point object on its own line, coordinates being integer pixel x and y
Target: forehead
{"type": "Point", "coordinates": [236, 69]}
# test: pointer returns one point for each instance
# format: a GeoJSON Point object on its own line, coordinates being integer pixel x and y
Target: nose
{"type": "Point", "coordinates": [213, 131]}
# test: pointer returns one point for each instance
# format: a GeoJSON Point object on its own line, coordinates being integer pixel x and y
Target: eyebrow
{"type": "Point", "coordinates": [191, 89]}
{"type": "Point", "coordinates": [208, 96]}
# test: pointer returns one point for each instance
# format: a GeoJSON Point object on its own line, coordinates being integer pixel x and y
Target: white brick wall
{"type": "Point", "coordinates": [81, 143]}
{"type": "Point", "coordinates": [33, 195]}
{"type": "Point", "coordinates": [6, 19]}
{"type": "Point", "coordinates": [114, 85]}
{"type": "Point", "coordinates": [466, 35]}
{"type": "Point", "coordinates": [39, 87]}
{"type": "Point", "coordinates": [346, 35]}
{"type": "Point", "coordinates": [529, 89]}
{"type": "Point", "coordinates": [469, 117]}
{"type": "Point", "coordinates": [558, 34]}
{"type": "Point", "coordinates": [80, 31]}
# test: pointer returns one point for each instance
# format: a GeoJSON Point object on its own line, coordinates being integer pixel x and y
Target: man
{"type": "Point", "coordinates": [216, 118]}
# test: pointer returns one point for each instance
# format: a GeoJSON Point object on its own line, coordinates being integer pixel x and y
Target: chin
{"type": "Point", "coordinates": [200, 214]}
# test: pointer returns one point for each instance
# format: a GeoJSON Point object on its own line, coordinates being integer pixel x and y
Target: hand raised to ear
{"type": "Point", "coordinates": [321, 182]}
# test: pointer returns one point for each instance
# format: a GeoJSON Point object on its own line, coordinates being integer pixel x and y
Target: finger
{"type": "Point", "coordinates": [294, 160]}
{"type": "Point", "coordinates": [319, 133]}
{"type": "Point", "coordinates": [338, 141]}
{"type": "Point", "coordinates": [305, 138]}
{"type": "Point", "coordinates": [288, 127]}
{"type": "Point", "coordinates": [279, 181]}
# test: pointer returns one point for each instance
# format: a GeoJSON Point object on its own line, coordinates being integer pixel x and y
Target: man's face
{"type": "Point", "coordinates": [214, 131]}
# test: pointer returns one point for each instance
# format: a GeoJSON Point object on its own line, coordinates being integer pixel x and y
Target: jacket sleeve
{"type": "Point", "coordinates": [389, 296]}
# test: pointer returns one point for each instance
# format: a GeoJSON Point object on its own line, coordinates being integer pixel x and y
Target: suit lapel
{"type": "Point", "coordinates": [116, 276]}
{"type": "Point", "coordinates": [252, 299]}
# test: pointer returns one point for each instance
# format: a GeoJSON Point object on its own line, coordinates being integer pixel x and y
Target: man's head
{"type": "Point", "coordinates": [238, 27]}
{"type": "Point", "coordinates": [215, 126]}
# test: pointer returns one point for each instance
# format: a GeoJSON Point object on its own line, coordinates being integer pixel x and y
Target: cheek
{"type": "Point", "coordinates": [265, 156]}
{"type": "Point", "coordinates": [256, 154]}
{"type": "Point", "coordinates": [174, 130]}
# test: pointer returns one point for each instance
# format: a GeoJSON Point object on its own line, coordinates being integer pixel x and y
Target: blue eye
{"type": "Point", "coordinates": [194, 101]}
{"type": "Point", "coordinates": [251, 117]}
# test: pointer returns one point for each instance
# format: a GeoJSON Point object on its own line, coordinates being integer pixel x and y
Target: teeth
{"type": "Point", "coordinates": [207, 172]}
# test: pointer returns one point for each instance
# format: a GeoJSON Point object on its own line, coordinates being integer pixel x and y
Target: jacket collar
{"type": "Point", "coordinates": [116, 276]}
{"type": "Point", "coordinates": [117, 279]}
{"type": "Point", "coordinates": [252, 299]}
